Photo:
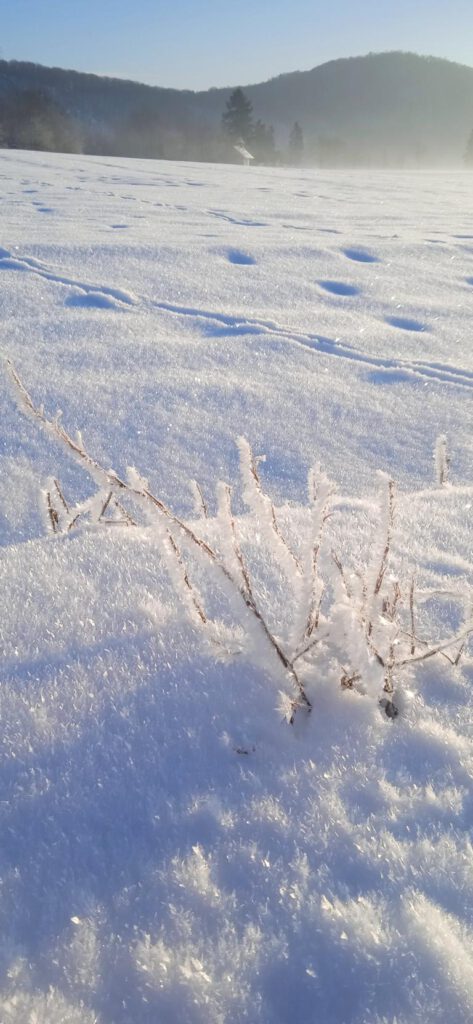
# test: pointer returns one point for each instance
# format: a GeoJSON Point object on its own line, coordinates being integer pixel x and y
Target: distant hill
{"type": "Point", "coordinates": [389, 109]}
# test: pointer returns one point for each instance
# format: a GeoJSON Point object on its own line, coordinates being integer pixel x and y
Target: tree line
{"type": "Point", "coordinates": [34, 119]}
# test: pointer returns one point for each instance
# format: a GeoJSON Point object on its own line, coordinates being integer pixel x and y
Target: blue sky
{"type": "Point", "coordinates": [196, 44]}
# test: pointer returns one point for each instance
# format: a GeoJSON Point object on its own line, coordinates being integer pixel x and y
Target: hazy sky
{"type": "Point", "coordinates": [199, 43]}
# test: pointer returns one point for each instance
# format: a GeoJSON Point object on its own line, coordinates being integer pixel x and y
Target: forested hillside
{"type": "Point", "coordinates": [391, 109]}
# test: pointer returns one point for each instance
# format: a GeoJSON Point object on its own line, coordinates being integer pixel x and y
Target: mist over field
{"type": "Point", "coordinates": [386, 110]}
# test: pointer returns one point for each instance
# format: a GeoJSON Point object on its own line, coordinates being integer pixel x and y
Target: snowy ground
{"type": "Point", "coordinates": [170, 850]}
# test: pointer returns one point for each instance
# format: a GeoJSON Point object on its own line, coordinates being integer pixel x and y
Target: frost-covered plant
{"type": "Point", "coordinates": [442, 460]}
{"type": "Point", "coordinates": [379, 611]}
{"type": "Point", "coordinates": [287, 600]}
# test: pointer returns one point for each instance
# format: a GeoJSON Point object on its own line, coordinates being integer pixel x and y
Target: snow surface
{"type": "Point", "coordinates": [170, 850]}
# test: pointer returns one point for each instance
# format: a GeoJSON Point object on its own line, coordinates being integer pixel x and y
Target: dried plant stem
{"type": "Point", "coordinates": [185, 579]}
{"type": "Point", "coordinates": [439, 648]}
{"type": "Point", "coordinates": [61, 495]}
{"type": "Point", "coordinates": [341, 570]}
{"type": "Point", "coordinates": [389, 530]}
{"type": "Point", "coordinates": [442, 460]}
{"type": "Point", "coordinates": [106, 504]}
{"type": "Point", "coordinates": [125, 513]}
{"type": "Point", "coordinates": [385, 554]}
{"type": "Point", "coordinates": [412, 615]}
{"type": "Point", "coordinates": [313, 617]}
{"type": "Point", "coordinates": [253, 470]}
{"type": "Point", "coordinates": [106, 477]}
{"type": "Point", "coordinates": [247, 592]}
{"type": "Point", "coordinates": [348, 679]}
{"type": "Point", "coordinates": [53, 516]}
{"type": "Point", "coordinates": [200, 502]}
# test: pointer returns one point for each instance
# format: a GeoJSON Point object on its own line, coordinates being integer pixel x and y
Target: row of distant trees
{"type": "Point", "coordinates": [33, 119]}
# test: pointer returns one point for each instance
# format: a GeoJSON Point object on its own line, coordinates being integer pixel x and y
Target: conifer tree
{"type": "Point", "coordinates": [468, 156]}
{"type": "Point", "coordinates": [296, 144]}
{"type": "Point", "coordinates": [262, 143]}
{"type": "Point", "coordinates": [237, 119]}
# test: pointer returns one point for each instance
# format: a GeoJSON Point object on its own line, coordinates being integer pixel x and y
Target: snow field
{"type": "Point", "coordinates": [171, 849]}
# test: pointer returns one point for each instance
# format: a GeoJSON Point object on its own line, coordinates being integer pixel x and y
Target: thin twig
{"type": "Point", "coordinates": [106, 504]}
{"type": "Point", "coordinates": [52, 513]}
{"type": "Point", "coordinates": [185, 579]}
{"type": "Point", "coordinates": [313, 643]}
{"type": "Point", "coordinates": [385, 555]}
{"type": "Point", "coordinates": [454, 661]}
{"type": "Point", "coordinates": [251, 603]}
{"type": "Point", "coordinates": [199, 499]}
{"type": "Point", "coordinates": [129, 518]}
{"type": "Point", "coordinates": [384, 558]}
{"type": "Point", "coordinates": [74, 521]}
{"type": "Point", "coordinates": [313, 617]}
{"type": "Point", "coordinates": [97, 471]}
{"type": "Point", "coordinates": [253, 465]}
{"type": "Point", "coordinates": [411, 610]}
{"type": "Point", "coordinates": [61, 495]}
{"type": "Point", "coordinates": [341, 570]}
{"type": "Point", "coordinates": [439, 649]}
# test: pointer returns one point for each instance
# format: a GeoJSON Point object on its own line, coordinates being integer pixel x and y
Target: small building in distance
{"type": "Point", "coordinates": [242, 150]}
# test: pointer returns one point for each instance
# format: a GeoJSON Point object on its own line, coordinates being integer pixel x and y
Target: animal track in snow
{"type": "Point", "coordinates": [221, 324]}
{"type": "Point", "coordinates": [236, 220]}
{"type": "Point", "coordinates": [360, 256]}
{"type": "Point", "coordinates": [233, 330]}
{"type": "Point", "coordinates": [40, 206]}
{"type": "Point", "coordinates": [7, 263]}
{"type": "Point", "coordinates": [405, 323]}
{"type": "Point", "coordinates": [390, 375]}
{"type": "Point", "coordinates": [240, 258]}
{"type": "Point", "coordinates": [25, 263]}
{"type": "Point", "coordinates": [226, 325]}
{"type": "Point", "coordinates": [339, 288]}
{"type": "Point", "coordinates": [92, 300]}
